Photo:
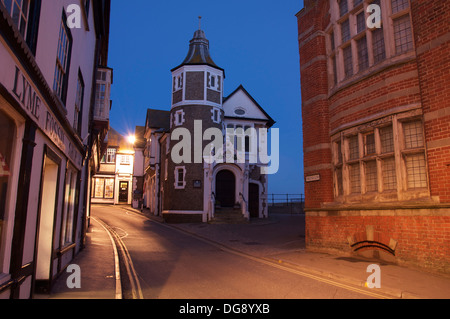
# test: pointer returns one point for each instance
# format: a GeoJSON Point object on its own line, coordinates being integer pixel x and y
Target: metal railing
{"type": "Point", "coordinates": [285, 199]}
{"type": "Point", "coordinates": [286, 203]}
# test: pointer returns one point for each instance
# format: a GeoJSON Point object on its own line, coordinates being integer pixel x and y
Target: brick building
{"type": "Point", "coordinates": [195, 189]}
{"type": "Point", "coordinates": [376, 116]}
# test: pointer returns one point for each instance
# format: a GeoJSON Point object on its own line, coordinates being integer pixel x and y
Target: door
{"type": "Point", "coordinates": [123, 192]}
{"type": "Point", "coordinates": [225, 188]}
{"type": "Point", "coordinates": [253, 201]}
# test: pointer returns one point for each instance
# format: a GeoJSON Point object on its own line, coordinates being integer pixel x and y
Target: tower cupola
{"type": "Point", "coordinates": [198, 80]}
{"type": "Point", "coordinates": [198, 53]}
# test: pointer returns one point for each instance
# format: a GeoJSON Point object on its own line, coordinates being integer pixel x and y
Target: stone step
{"type": "Point", "coordinates": [228, 216]}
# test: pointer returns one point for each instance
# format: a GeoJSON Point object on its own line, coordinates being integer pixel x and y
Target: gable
{"type": "Point", "coordinates": [240, 104]}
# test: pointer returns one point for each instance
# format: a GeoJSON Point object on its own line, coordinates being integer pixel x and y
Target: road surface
{"type": "Point", "coordinates": [169, 264]}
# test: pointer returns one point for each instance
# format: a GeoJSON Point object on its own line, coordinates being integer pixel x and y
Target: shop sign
{"type": "Point", "coordinates": [32, 103]}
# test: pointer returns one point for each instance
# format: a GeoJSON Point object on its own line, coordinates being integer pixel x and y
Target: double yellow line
{"type": "Point", "coordinates": [275, 264]}
{"type": "Point", "coordinates": [126, 258]}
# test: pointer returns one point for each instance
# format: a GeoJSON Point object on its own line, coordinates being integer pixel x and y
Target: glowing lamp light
{"type": "Point", "coordinates": [132, 139]}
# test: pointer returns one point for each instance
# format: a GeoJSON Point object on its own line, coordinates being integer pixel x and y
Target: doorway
{"type": "Point", "coordinates": [225, 188]}
{"type": "Point", "coordinates": [48, 206]}
{"type": "Point", "coordinates": [253, 200]}
{"type": "Point", "coordinates": [123, 192]}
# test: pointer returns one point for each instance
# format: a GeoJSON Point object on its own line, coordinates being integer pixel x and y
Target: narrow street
{"type": "Point", "coordinates": [170, 264]}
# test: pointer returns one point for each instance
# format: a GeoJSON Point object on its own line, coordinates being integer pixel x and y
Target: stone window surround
{"type": "Point", "coordinates": [400, 154]}
{"type": "Point", "coordinates": [177, 120]}
{"type": "Point", "coordinates": [216, 111]}
{"type": "Point", "coordinates": [199, 68]}
{"type": "Point", "coordinates": [213, 81]}
{"type": "Point", "coordinates": [335, 55]}
{"type": "Point", "coordinates": [178, 82]}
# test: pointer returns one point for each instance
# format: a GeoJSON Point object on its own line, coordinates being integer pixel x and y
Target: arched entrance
{"type": "Point", "coordinates": [225, 188]}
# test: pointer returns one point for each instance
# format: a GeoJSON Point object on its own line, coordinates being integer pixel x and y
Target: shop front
{"type": "Point", "coordinates": [42, 183]}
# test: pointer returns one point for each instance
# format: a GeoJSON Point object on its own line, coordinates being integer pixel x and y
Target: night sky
{"type": "Point", "coordinates": [255, 41]}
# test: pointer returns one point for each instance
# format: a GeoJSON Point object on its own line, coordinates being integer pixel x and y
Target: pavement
{"type": "Point", "coordinates": [278, 240]}
{"type": "Point", "coordinates": [98, 257]}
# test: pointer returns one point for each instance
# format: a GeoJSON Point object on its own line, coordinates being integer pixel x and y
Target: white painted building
{"type": "Point", "coordinates": [47, 145]}
{"type": "Point", "coordinates": [113, 182]}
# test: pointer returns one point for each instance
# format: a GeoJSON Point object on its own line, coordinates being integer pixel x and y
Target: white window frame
{"type": "Point", "coordinates": [109, 153]}
{"type": "Point", "coordinates": [177, 121]}
{"type": "Point", "coordinates": [180, 184]}
{"type": "Point", "coordinates": [214, 81]}
{"type": "Point", "coordinates": [216, 119]}
{"type": "Point", "coordinates": [125, 160]}
{"type": "Point", "coordinates": [103, 183]}
{"type": "Point", "coordinates": [178, 82]}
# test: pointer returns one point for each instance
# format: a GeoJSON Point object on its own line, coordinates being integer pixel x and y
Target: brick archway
{"type": "Point", "coordinates": [372, 240]}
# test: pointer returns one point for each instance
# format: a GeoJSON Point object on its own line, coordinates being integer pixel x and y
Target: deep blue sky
{"type": "Point", "coordinates": [255, 41]}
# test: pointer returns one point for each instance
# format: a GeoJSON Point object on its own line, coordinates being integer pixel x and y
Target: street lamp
{"type": "Point", "coordinates": [132, 139]}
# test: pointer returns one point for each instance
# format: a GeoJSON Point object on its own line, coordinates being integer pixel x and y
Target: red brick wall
{"type": "Point", "coordinates": [390, 93]}
{"type": "Point", "coordinates": [422, 234]}
{"type": "Point", "coordinates": [432, 39]}
{"type": "Point", "coordinates": [315, 105]}
{"type": "Point", "coordinates": [421, 240]}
